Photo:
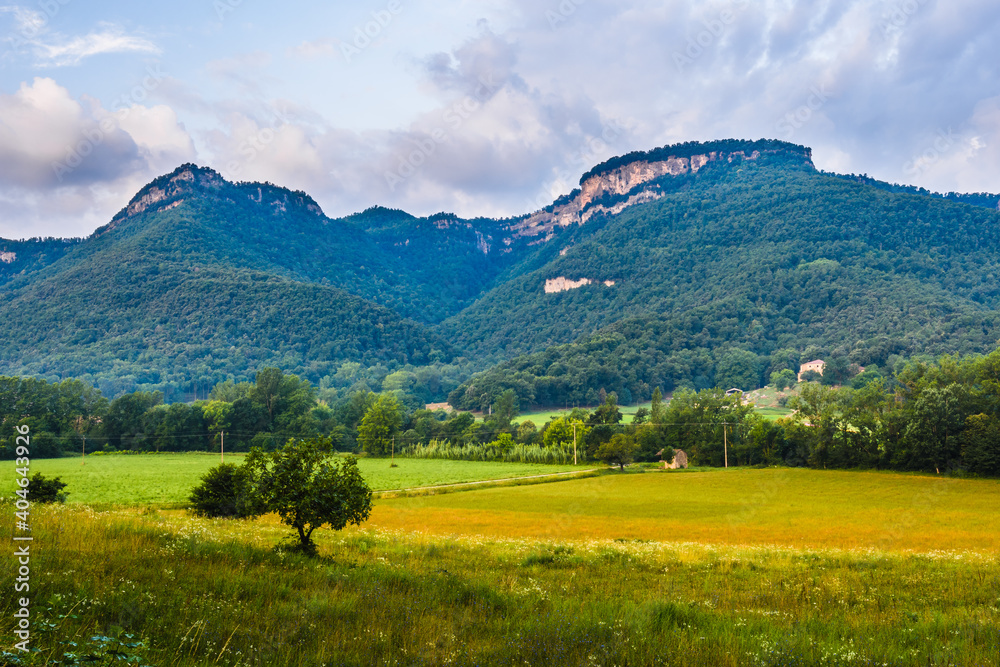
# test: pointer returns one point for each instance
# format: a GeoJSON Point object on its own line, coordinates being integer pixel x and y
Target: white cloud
{"type": "Point", "coordinates": [63, 161]}
{"type": "Point", "coordinates": [52, 49]}
{"type": "Point", "coordinates": [495, 123]}
{"type": "Point", "coordinates": [319, 48]}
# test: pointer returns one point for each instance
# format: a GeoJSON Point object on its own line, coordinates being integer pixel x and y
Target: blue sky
{"type": "Point", "coordinates": [480, 108]}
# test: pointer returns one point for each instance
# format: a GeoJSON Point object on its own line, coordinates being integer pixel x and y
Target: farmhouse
{"type": "Point", "coordinates": [817, 366]}
{"type": "Point", "coordinates": [680, 460]}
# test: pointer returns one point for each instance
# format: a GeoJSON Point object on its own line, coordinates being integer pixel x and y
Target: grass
{"type": "Point", "coordinates": [739, 567]}
{"type": "Point", "coordinates": [542, 417]}
{"type": "Point", "coordinates": [777, 506]}
{"type": "Point", "coordinates": [167, 479]}
{"type": "Point", "coordinates": [774, 414]}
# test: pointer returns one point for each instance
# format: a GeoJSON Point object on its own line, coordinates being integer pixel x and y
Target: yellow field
{"type": "Point", "coordinates": [789, 507]}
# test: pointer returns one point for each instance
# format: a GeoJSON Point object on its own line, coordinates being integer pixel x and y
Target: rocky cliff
{"type": "Point", "coordinates": [631, 175]}
{"type": "Point", "coordinates": [170, 190]}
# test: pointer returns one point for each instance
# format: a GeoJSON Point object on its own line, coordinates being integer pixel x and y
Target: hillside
{"type": "Point", "coordinates": [691, 264]}
{"type": "Point", "coordinates": [198, 279]}
{"type": "Point", "coordinates": [760, 258]}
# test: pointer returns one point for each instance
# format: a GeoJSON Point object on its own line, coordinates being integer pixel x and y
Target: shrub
{"type": "Point", "coordinates": [42, 490]}
{"type": "Point", "coordinates": [223, 492]}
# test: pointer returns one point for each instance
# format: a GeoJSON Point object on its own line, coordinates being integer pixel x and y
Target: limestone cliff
{"type": "Point", "coordinates": [627, 175]}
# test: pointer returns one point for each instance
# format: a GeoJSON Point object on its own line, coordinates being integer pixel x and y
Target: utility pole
{"type": "Point", "coordinates": [392, 458]}
{"type": "Point", "coordinates": [574, 443]}
{"type": "Point", "coordinates": [222, 447]}
{"type": "Point", "coordinates": [725, 443]}
{"type": "Point", "coordinates": [83, 456]}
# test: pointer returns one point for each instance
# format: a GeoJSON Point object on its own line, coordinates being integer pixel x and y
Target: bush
{"type": "Point", "coordinates": [223, 492]}
{"type": "Point", "coordinates": [42, 490]}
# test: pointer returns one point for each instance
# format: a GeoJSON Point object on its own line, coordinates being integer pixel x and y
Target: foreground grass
{"type": "Point", "coordinates": [167, 479]}
{"type": "Point", "coordinates": [784, 506]}
{"type": "Point", "coordinates": [167, 589]}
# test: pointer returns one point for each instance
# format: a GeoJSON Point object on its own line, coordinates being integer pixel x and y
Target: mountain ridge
{"type": "Point", "coordinates": [648, 237]}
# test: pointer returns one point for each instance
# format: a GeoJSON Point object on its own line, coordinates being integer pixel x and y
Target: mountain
{"type": "Point", "coordinates": [22, 258]}
{"type": "Point", "coordinates": [198, 279]}
{"type": "Point", "coordinates": [741, 264]}
{"type": "Point", "coordinates": [690, 264]}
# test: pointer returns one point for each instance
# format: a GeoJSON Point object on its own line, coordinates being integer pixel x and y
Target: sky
{"type": "Point", "coordinates": [489, 108]}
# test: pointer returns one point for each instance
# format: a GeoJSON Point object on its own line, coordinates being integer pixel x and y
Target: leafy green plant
{"type": "Point", "coordinates": [308, 488]}
{"type": "Point", "coordinates": [223, 492]}
{"type": "Point", "coordinates": [42, 490]}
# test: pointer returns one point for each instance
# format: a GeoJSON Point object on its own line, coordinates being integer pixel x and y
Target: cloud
{"type": "Point", "coordinates": [59, 155]}
{"type": "Point", "coordinates": [247, 70]}
{"type": "Point", "coordinates": [56, 50]}
{"type": "Point", "coordinates": [502, 120]}
{"type": "Point", "coordinates": [319, 48]}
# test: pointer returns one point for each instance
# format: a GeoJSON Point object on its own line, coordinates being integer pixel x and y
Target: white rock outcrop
{"type": "Point", "coordinates": [564, 284]}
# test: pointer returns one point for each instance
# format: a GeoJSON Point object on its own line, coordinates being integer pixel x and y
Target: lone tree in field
{"type": "Point", "coordinates": [41, 490]}
{"type": "Point", "coordinates": [619, 451]}
{"type": "Point", "coordinates": [308, 488]}
{"type": "Point", "coordinates": [302, 482]}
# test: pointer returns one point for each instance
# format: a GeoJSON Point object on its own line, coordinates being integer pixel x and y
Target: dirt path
{"type": "Point", "coordinates": [488, 481]}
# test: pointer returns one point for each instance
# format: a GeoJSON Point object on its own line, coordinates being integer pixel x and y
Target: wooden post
{"type": "Point", "coordinates": [725, 444]}
{"type": "Point", "coordinates": [83, 456]}
{"type": "Point", "coordinates": [574, 443]}
{"type": "Point", "coordinates": [222, 447]}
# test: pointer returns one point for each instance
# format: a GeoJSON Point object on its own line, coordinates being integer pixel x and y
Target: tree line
{"type": "Point", "coordinates": [931, 415]}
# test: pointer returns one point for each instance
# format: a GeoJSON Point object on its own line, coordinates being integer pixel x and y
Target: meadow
{"type": "Point", "coordinates": [167, 479]}
{"type": "Point", "coordinates": [541, 417]}
{"type": "Point", "coordinates": [726, 567]}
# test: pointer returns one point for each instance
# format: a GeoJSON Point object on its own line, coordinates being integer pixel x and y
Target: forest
{"type": "Point", "coordinates": [937, 415]}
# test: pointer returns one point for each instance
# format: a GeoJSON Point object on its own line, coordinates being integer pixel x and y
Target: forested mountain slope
{"type": "Point", "coordinates": [757, 257]}
{"type": "Point", "coordinates": [669, 267]}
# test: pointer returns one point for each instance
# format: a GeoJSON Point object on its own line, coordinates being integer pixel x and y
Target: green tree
{"type": "Point", "coordinates": [42, 490]}
{"type": "Point", "coordinates": [505, 409]}
{"type": "Point", "coordinates": [308, 488]}
{"type": "Point", "coordinates": [657, 411]}
{"type": "Point", "coordinates": [224, 492]}
{"type": "Point", "coordinates": [981, 444]}
{"type": "Point", "coordinates": [380, 425]}
{"type": "Point", "coordinates": [123, 425]}
{"type": "Point", "coordinates": [783, 379]}
{"type": "Point", "coordinates": [738, 368]}
{"type": "Point", "coordinates": [938, 418]}
{"type": "Point", "coordinates": [837, 371]}
{"type": "Point", "coordinates": [560, 432]}
{"type": "Point", "coordinates": [618, 451]}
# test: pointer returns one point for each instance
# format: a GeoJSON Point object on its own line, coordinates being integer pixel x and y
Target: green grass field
{"type": "Point", "coordinates": [542, 417]}
{"type": "Point", "coordinates": [167, 479]}
{"type": "Point", "coordinates": [773, 414]}
{"type": "Point", "coordinates": [721, 567]}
